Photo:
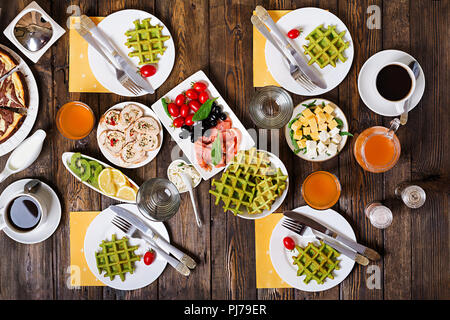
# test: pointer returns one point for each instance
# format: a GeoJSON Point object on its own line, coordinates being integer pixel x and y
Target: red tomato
{"type": "Point", "coordinates": [203, 97]}
{"type": "Point", "coordinates": [199, 86]}
{"type": "Point", "coordinates": [148, 70]}
{"type": "Point", "coordinates": [192, 94]}
{"type": "Point", "coordinates": [194, 105]}
{"type": "Point", "coordinates": [188, 120]}
{"type": "Point", "coordinates": [294, 33]}
{"type": "Point", "coordinates": [180, 99]}
{"type": "Point", "coordinates": [173, 109]}
{"type": "Point", "coordinates": [178, 122]}
{"type": "Point", "coordinates": [149, 257]}
{"type": "Point", "coordinates": [289, 243]}
{"type": "Point", "coordinates": [184, 111]}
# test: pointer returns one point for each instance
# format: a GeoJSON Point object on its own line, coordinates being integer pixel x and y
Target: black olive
{"type": "Point", "coordinates": [213, 116]}
{"type": "Point", "coordinates": [223, 116]}
{"type": "Point", "coordinates": [213, 123]}
{"type": "Point", "coordinates": [184, 134]}
{"type": "Point", "coordinates": [186, 127]}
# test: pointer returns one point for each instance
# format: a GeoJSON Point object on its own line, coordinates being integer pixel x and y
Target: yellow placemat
{"type": "Point", "coordinates": [80, 274]}
{"type": "Point", "coordinates": [266, 276]}
{"type": "Point", "coordinates": [261, 74]}
{"type": "Point", "coordinates": [81, 78]}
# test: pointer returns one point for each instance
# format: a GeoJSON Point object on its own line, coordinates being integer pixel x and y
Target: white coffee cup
{"type": "Point", "coordinates": [399, 104]}
{"type": "Point", "coordinates": [5, 220]}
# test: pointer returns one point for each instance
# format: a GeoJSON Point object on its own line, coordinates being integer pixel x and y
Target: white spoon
{"type": "Point", "coordinates": [187, 181]}
{"type": "Point", "coordinates": [24, 155]}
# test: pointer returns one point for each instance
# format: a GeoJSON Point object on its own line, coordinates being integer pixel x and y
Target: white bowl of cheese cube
{"type": "Point", "coordinates": [317, 131]}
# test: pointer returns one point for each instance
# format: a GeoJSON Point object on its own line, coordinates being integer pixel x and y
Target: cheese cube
{"type": "Point", "coordinates": [332, 149]}
{"type": "Point", "coordinates": [324, 136]}
{"type": "Point", "coordinates": [303, 120]}
{"type": "Point", "coordinates": [311, 154]}
{"type": "Point", "coordinates": [330, 117]}
{"type": "Point", "coordinates": [318, 110]}
{"type": "Point", "coordinates": [311, 149]}
{"type": "Point", "coordinates": [334, 132]}
{"type": "Point", "coordinates": [321, 117]}
{"type": "Point", "coordinates": [328, 109]}
{"type": "Point", "coordinates": [323, 127]}
{"type": "Point", "coordinates": [306, 131]}
{"type": "Point", "coordinates": [315, 136]}
{"type": "Point", "coordinates": [307, 113]}
{"type": "Point", "coordinates": [333, 124]}
{"type": "Point", "coordinates": [297, 124]}
{"type": "Point", "coordinates": [313, 124]}
{"type": "Point", "coordinates": [302, 143]}
{"type": "Point", "coordinates": [321, 148]}
{"type": "Point", "coordinates": [336, 138]}
{"type": "Point", "coordinates": [298, 134]}
{"type": "Point", "coordinates": [311, 144]}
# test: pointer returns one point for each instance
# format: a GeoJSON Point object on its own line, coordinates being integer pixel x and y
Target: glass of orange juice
{"type": "Point", "coordinates": [75, 120]}
{"type": "Point", "coordinates": [377, 149]}
{"type": "Point", "coordinates": [321, 190]}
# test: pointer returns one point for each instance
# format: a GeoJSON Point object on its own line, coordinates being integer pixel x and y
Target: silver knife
{"type": "Point", "coordinates": [313, 224]}
{"type": "Point", "coordinates": [128, 68]}
{"type": "Point", "coordinates": [153, 236]}
{"type": "Point", "coordinates": [414, 66]}
{"type": "Point", "coordinates": [301, 62]}
{"type": "Point", "coordinates": [10, 72]}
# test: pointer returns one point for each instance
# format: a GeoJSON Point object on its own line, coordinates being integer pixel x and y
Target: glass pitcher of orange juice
{"type": "Point", "coordinates": [377, 149]}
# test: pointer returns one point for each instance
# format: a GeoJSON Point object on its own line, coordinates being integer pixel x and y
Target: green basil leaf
{"type": "Point", "coordinates": [204, 110]}
{"type": "Point", "coordinates": [309, 105]}
{"type": "Point", "coordinates": [216, 150]}
{"type": "Point", "coordinates": [339, 122]}
{"type": "Point", "coordinates": [345, 133]}
{"type": "Point", "coordinates": [166, 108]}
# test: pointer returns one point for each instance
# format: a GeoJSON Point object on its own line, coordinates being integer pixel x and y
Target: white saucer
{"type": "Point", "coordinates": [370, 96]}
{"type": "Point", "coordinates": [43, 231]}
{"type": "Point", "coordinates": [308, 19]}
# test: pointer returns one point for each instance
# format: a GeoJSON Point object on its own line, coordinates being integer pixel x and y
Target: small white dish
{"type": "Point", "coordinates": [176, 163]}
{"type": "Point", "coordinates": [185, 144]}
{"type": "Point", "coordinates": [277, 163]}
{"type": "Point", "coordinates": [114, 27]}
{"type": "Point", "coordinates": [150, 154]}
{"type": "Point", "coordinates": [338, 114]}
{"type": "Point", "coordinates": [32, 99]}
{"type": "Point", "coordinates": [282, 258]}
{"type": "Point", "coordinates": [53, 206]}
{"type": "Point", "coordinates": [308, 19]}
{"type": "Point", "coordinates": [367, 88]}
{"type": "Point", "coordinates": [67, 156]}
{"type": "Point", "coordinates": [101, 228]}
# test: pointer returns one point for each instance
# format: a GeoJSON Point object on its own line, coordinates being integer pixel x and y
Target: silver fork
{"type": "Point", "coordinates": [299, 229]}
{"type": "Point", "coordinates": [294, 70]}
{"type": "Point", "coordinates": [132, 232]}
{"type": "Point", "coordinates": [121, 76]}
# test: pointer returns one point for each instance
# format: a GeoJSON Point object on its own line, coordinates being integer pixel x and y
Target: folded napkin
{"type": "Point", "coordinates": [81, 78]}
{"type": "Point", "coordinates": [261, 74]}
{"type": "Point", "coordinates": [266, 276]}
{"type": "Point", "coordinates": [80, 274]}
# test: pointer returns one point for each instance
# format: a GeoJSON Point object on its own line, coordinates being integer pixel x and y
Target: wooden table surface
{"type": "Point", "coordinates": [216, 36]}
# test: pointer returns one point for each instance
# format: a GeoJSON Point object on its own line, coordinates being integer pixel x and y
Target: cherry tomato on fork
{"type": "Point", "coordinates": [289, 243]}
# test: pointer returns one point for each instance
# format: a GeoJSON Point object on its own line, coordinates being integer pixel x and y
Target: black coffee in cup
{"type": "Point", "coordinates": [393, 82]}
{"type": "Point", "coordinates": [24, 213]}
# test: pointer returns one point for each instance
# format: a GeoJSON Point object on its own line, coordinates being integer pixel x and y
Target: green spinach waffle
{"type": "Point", "coordinates": [116, 258]}
{"type": "Point", "coordinates": [147, 42]}
{"type": "Point", "coordinates": [249, 184]}
{"type": "Point", "coordinates": [317, 263]}
{"type": "Point", "coordinates": [325, 46]}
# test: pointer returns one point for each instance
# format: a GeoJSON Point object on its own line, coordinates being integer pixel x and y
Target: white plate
{"type": "Point", "coordinates": [338, 114]}
{"type": "Point", "coordinates": [33, 105]}
{"type": "Point", "coordinates": [282, 258]}
{"type": "Point", "coordinates": [277, 163]}
{"type": "Point", "coordinates": [67, 156]}
{"type": "Point", "coordinates": [45, 230]}
{"type": "Point", "coordinates": [185, 144]}
{"type": "Point", "coordinates": [114, 27]}
{"type": "Point", "coordinates": [150, 154]}
{"type": "Point", "coordinates": [101, 229]}
{"type": "Point", "coordinates": [308, 19]}
{"type": "Point", "coordinates": [366, 80]}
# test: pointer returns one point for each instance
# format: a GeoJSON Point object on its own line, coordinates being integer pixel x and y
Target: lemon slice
{"type": "Point", "coordinates": [105, 182]}
{"type": "Point", "coordinates": [118, 178]}
{"type": "Point", "coordinates": [126, 193]}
